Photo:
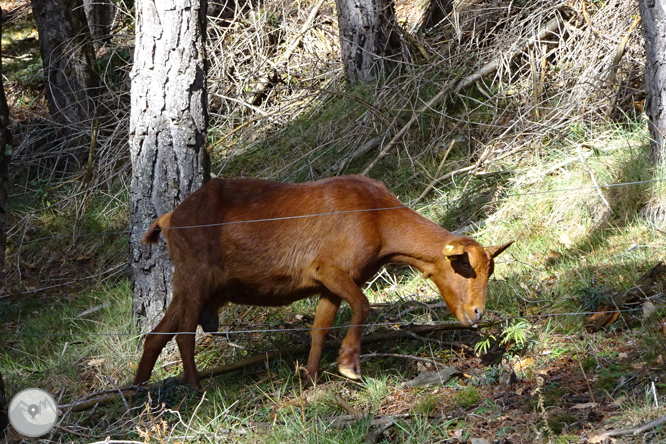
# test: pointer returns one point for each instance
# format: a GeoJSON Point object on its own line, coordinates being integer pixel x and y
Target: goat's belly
{"type": "Point", "coordinates": [245, 295]}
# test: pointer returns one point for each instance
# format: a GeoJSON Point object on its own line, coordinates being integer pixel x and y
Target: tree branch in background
{"type": "Point", "coordinates": [453, 87]}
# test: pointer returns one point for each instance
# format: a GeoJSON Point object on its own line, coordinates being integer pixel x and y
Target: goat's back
{"type": "Point", "coordinates": [265, 234]}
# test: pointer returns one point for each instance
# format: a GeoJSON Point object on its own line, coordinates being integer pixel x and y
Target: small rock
{"type": "Point", "coordinates": [648, 309]}
{"type": "Point", "coordinates": [507, 378]}
{"type": "Point", "coordinates": [479, 441]}
{"type": "Point", "coordinates": [427, 379]}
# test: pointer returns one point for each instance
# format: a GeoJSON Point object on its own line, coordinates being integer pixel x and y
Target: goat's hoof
{"type": "Point", "coordinates": [348, 372]}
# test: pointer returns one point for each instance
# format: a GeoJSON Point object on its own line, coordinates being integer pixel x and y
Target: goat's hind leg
{"type": "Point", "coordinates": [155, 342]}
{"type": "Point", "coordinates": [186, 337]}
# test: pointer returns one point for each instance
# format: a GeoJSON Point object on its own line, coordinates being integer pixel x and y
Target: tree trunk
{"type": "Point", "coordinates": [653, 15]}
{"type": "Point", "coordinates": [168, 123]}
{"type": "Point", "coordinates": [365, 31]}
{"type": "Point", "coordinates": [5, 140]}
{"type": "Point", "coordinates": [68, 57]}
{"type": "Point", "coordinates": [100, 15]}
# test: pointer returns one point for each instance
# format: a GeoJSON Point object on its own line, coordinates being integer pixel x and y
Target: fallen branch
{"type": "Point", "coordinates": [340, 422]}
{"type": "Point", "coordinates": [270, 356]}
{"type": "Point", "coordinates": [476, 165]}
{"type": "Point", "coordinates": [628, 431]}
{"type": "Point", "coordinates": [397, 355]}
{"type": "Point", "coordinates": [284, 58]}
{"type": "Point", "coordinates": [360, 151]}
{"type": "Point", "coordinates": [448, 87]}
{"type": "Point", "coordinates": [454, 86]}
{"type": "Point", "coordinates": [373, 435]}
{"type": "Point", "coordinates": [346, 420]}
{"type": "Point", "coordinates": [432, 184]}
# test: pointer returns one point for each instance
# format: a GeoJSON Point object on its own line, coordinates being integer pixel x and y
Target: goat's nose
{"type": "Point", "coordinates": [478, 313]}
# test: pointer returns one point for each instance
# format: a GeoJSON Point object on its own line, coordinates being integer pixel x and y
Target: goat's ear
{"type": "Point", "coordinates": [496, 250]}
{"type": "Point", "coordinates": [453, 248]}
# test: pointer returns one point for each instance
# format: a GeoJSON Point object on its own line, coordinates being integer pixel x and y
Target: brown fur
{"type": "Point", "coordinates": [224, 258]}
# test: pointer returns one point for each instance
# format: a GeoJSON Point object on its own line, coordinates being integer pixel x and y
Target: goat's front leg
{"type": "Point", "coordinates": [341, 284]}
{"type": "Point", "coordinates": [326, 310]}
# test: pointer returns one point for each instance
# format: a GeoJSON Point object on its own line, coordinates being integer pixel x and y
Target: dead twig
{"type": "Point", "coordinates": [344, 404]}
{"type": "Point", "coordinates": [453, 86]}
{"type": "Point", "coordinates": [342, 421]}
{"type": "Point", "coordinates": [347, 420]}
{"type": "Point", "coordinates": [628, 431]}
{"type": "Point", "coordinates": [432, 184]}
{"type": "Point", "coordinates": [621, 49]}
{"type": "Point", "coordinates": [397, 355]}
{"type": "Point", "coordinates": [373, 435]}
{"type": "Point", "coordinates": [445, 90]}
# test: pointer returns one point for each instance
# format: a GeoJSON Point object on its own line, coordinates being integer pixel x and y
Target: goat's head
{"type": "Point", "coordinates": [461, 275]}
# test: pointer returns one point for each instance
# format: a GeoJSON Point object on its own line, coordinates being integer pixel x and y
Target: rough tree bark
{"type": "Point", "coordinates": [68, 56]}
{"type": "Point", "coordinates": [169, 118]}
{"type": "Point", "coordinates": [653, 17]}
{"type": "Point", "coordinates": [365, 31]}
{"type": "Point", "coordinates": [5, 140]}
{"type": "Point", "coordinates": [100, 15]}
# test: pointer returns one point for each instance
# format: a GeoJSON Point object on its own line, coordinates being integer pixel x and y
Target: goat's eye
{"type": "Point", "coordinates": [466, 264]}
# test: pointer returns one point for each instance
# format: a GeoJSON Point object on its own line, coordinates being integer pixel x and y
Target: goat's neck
{"type": "Point", "coordinates": [411, 239]}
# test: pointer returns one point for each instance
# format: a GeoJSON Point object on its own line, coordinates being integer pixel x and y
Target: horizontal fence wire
{"type": "Point", "coordinates": [333, 213]}
{"type": "Point", "coordinates": [439, 201]}
{"type": "Point", "coordinates": [308, 329]}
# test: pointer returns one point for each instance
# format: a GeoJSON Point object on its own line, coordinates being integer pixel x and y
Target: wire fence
{"type": "Point", "coordinates": [116, 269]}
{"type": "Point", "coordinates": [392, 324]}
{"type": "Point", "coordinates": [142, 229]}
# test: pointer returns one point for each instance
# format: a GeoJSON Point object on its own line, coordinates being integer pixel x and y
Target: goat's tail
{"type": "Point", "coordinates": [153, 233]}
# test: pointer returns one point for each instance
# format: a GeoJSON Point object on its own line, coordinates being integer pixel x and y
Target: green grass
{"type": "Point", "coordinates": [467, 397]}
{"type": "Point", "coordinates": [55, 345]}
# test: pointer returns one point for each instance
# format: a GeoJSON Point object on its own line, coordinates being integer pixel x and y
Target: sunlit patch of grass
{"type": "Point", "coordinates": [375, 390]}
{"type": "Point", "coordinates": [467, 397]}
{"type": "Point", "coordinates": [22, 62]}
{"type": "Point", "coordinates": [427, 404]}
{"type": "Point", "coordinates": [73, 341]}
{"type": "Point", "coordinates": [423, 429]}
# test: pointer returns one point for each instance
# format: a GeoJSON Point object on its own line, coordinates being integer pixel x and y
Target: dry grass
{"type": "Point", "coordinates": [280, 108]}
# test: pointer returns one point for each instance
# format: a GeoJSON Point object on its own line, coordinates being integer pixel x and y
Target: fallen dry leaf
{"type": "Point", "coordinates": [594, 439]}
{"type": "Point", "coordinates": [648, 309]}
{"type": "Point", "coordinates": [618, 402]}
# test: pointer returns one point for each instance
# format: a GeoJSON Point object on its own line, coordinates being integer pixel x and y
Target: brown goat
{"type": "Point", "coordinates": [256, 242]}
